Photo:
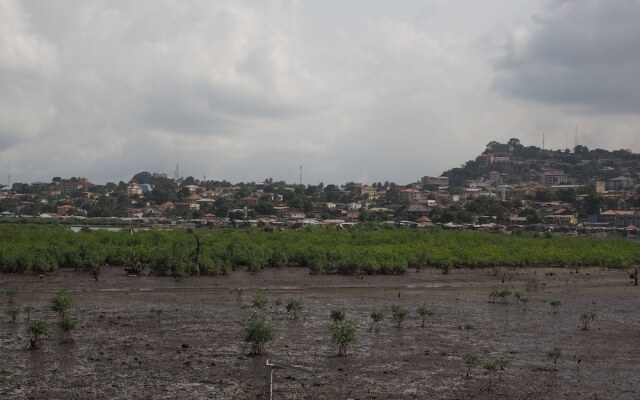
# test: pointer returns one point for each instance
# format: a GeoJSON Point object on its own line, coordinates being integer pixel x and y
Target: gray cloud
{"type": "Point", "coordinates": [244, 90]}
{"type": "Point", "coordinates": [578, 53]}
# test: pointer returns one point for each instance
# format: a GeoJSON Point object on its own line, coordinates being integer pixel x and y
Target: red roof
{"type": "Point", "coordinates": [616, 212]}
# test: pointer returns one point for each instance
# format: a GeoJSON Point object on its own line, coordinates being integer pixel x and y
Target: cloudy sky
{"type": "Point", "coordinates": [357, 90]}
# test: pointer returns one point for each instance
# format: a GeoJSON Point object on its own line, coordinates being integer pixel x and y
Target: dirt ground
{"type": "Point", "coordinates": [195, 348]}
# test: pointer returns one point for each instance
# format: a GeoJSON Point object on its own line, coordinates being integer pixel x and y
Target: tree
{"type": "Point", "coordinates": [554, 354]}
{"type": "Point", "coordinates": [67, 324]}
{"type": "Point", "coordinates": [343, 334]}
{"type": "Point", "coordinates": [425, 312]}
{"type": "Point", "coordinates": [376, 317]}
{"type": "Point", "coordinates": [258, 333]}
{"type": "Point", "coordinates": [470, 360]}
{"type": "Point", "coordinates": [293, 307]}
{"type": "Point", "coordinates": [337, 316]}
{"type": "Point", "coordinates": [399, 313]}
{"type": "Point", "coordinates": [37, 329]}
{"type": "Point", "coordinates": [593, 204]}
{"type": "Point", "coordinates": [61, 302]}
{"type": "Point", "coordinates": [11, 293]}
{"type": "Point", "coordinates": [587, 317]}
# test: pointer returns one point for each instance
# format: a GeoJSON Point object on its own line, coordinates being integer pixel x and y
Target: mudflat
{"type": "Point", "coordinates": [124, 348]}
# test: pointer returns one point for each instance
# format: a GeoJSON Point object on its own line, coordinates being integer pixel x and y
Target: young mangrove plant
{"type": "Point", "coordinates": [277, 303]}
{"type": "Point", "coordinates": [61, 303]}
{"type": "Point", "coordinates": [555, 304]}
{"type": "Point", "coordinates": [13, 313]}
{"type": "Point", "coordinates": [239, 291]}
{"type": "Point", "coordinates": [67, 324]}
{"type": "Point", "coordinates": [524, 301]}
{"type": "Point", "coordinates": [337, 316]}
{"type": "Point", "coordinates": [343, 333]}
{"type": "Point", "coordinates": [531, 285]}
{"type": "Point", "coordinates": [586, 318]}
{"type": "Point", "coordinates": [491, 368]}
{"type": "Point", "coordinates": [157, 312]}
{"type": "Point", "coordinates": [294, 306]}
{"type": "Point", "coordinates": [399, 313]}
{"type": "Point", "coordinates": [470, 360]}
{"type": "Point", "coordinates": [376, 317]}
{"type": "Point", "coordinates": [425, 312]}
{"type": "Point", "coordinates": [259, 303]}
{"type": "Point", "coordinates": [37, 329]}
{"type": "Point", "coordinates": [468, 328]}
{"type": "Point", "coordinates": [502, 294]}
{"type": "Point", "coordinates": [11, 293]}
{"type": "Point", "coordinates": [29, 309]}
{"type": "Point", "coordinates": [258, 333]}
{"type": "Point", "coordinates": [554, 355]}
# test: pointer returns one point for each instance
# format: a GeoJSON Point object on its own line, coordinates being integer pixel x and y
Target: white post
{"type": "Point", "coordinates": [268, 376]}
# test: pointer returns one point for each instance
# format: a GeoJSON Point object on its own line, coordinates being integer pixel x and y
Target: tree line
{"type": "Point", "coordinates": [360, 250]}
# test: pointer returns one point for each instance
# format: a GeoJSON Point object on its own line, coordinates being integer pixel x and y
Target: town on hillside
{"type": "Point", "coordinates": [508, 187]}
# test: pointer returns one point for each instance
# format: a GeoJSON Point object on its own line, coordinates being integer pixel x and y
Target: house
{"type": "Point", "coordinates": [415, 211]}
{"type": "Point", "coordinates": [424, 221]}
{"type": "Point", "coordinates": [561, 219]}
{"type": "Point", "coordinates": [166, 206]}
{"type": "Point", "coordinates": [631, 230]}
{"type": "Point", "coordinates": [187, 206]}
{"type": "Point", "coordinates": [192, 188]}
{"type": "Point", "coordinates": [281, 211]}
{"type": "Point", "coordinates": [192, 198]}
{"type": "Point", "coordinates": [64, 210]}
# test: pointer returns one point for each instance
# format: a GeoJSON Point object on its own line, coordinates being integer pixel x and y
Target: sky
{"type": "Point", "coordinates": [351, 90]}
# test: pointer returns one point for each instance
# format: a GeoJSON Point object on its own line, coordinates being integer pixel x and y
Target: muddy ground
{"type": "Point", "coordinates": [195, 348]}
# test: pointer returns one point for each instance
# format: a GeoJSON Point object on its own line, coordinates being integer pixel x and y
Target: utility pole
{"type": "Point", "coordinates": [300, 175]}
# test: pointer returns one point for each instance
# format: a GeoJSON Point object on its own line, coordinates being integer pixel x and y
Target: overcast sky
{"type": "Point", "coordinates": [356, 90]}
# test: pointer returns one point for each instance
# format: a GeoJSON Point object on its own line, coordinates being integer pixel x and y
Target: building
{"type": "Point", "coordinates": [618, 219]}
{"type": "Point", "coordinates": [435, 181]}
{"type": "Point", "coordinates": [70, 188]}
{"type": "Point", "coordinates": [553, 177]}
{"type": "Point", "coordinates": [411, 196]}
{"type": "Point", "coordinates": [361, 190]}
{"type": "Point", "coordinates": [134, 190]}
{"type": "Point", "coordinates": [619, 183]}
